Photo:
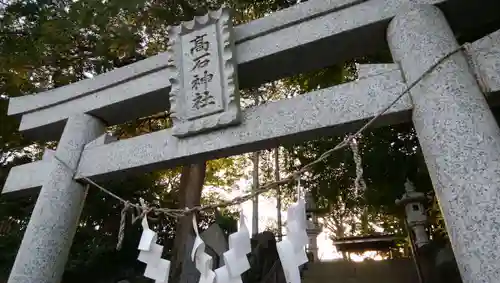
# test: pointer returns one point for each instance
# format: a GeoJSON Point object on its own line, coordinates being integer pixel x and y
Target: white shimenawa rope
{"type": "Point", "coordinates": [143, 211]}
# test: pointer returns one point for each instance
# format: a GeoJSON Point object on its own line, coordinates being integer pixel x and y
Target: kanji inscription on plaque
{"type": "Point", "coordinates": [204, 94]}
{"type": "Point", "coordinates": [202, 70]}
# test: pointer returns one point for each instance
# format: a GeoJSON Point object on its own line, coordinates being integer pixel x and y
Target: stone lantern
{"type": "Point", "coordinates": [313, 227]}
{"type": "Point", "coordinates": [416, 217]}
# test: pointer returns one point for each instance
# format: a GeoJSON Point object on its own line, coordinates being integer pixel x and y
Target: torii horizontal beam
{"type": "Point", "coordinates": [326, 112]}
{"type": "Point", "coordinates": [267, 49]}
{"type": "Point", "coordinates": [334, 110]}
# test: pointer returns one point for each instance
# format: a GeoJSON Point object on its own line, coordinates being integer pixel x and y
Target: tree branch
{"type": "Point", "coordinates": [162, 115]}
{"type": "Point", "coordinates": [8, 32]}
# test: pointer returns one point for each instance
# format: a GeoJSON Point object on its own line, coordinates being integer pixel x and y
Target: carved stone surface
{"type": "Point", "coordinates": [205, 93]}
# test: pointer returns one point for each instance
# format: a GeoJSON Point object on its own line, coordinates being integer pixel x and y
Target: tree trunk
{"type": "Point", "coordinates": [365, 226]}
{"type": "Point", "coordinates": [255, 210]}
{"type": "Point", "coordinates": [191, 185]}
{"type": "Point", "coordinates": [255, 177]}
{"type": "Point", "coordinates": [340, 233]}
{"type": "Point", "coordinates": [278, 192]}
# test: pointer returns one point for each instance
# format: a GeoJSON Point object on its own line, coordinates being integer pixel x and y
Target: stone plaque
{"type": "Point", "coordinates": [204, 94]}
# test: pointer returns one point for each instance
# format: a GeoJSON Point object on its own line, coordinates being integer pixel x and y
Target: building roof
{"type": "Point", "coordinates": [365, 243]}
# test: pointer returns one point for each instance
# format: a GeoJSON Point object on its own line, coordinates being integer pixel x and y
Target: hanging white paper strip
{"type": "Point", "coordinates": [301, 257]}
{"type": "Point", "coordinates": [157, 268]}
{"type": "Point", "coordinates": [297, 221]}
{"type": "Point", "coordinates": [296, 234]}
{"type": "Point", "coordinates": [160, 272]}
{"type": "Point", "coordinates": [297, 213]}
{"type": "Point", "coordinates": [151, 257]}
{"type": "Point", "coordinates": [198, 246]}
{"type": "Point", "coordinates": [148, 236]}
{"type": "Point", "coordinates": [202, 260]}
{"type": "Point", "coordinates": [289, 261]}
{"type": "Point", "coordinates": [239, 246]}
{"type": "Point", "coordinates": [208, 277]}
{"type": "Point", "coordinates": [240, 241]}
{"type": "Point", "coordinates": [291, 250]}
{"type": "Point", "coordinates": [222, 276]}
{"type": "Point", "coordinates": [236, 264]}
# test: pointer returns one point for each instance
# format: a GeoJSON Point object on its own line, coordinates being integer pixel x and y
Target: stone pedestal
{"type": "Point", "coordinates": [312, 233]}
{"type": "Point", "coordinates": [45, 247]}
{"type": "Point", "coordinates": [459, 136]}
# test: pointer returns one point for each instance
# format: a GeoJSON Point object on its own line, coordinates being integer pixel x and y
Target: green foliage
{"type": "Point", "coordinates": [437, 229]}
{"type": "Point", "coordinates": [323, 78]}
{"type": "Point", "coordinates": [224, 172]}
{"type": "Point", "coordinates": [47, 44]}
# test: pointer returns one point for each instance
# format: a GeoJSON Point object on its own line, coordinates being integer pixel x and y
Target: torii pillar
{"type": "Point", "coordinates": [45, 247]}
{"type": "Point", "coordinates": [459, 136]}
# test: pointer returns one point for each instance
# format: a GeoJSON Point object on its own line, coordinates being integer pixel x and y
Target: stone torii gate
{"type": "Point", "coordinates": [450, 109]}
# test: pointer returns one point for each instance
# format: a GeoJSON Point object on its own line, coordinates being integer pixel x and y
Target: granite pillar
{"type": "Point", "coordinates": [45, 247]}
{"type": "Point", "coordinates": [459, 136]}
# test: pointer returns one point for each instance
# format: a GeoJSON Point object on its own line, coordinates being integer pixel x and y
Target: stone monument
{"type": "Point", "coordinates": [449, 106]}
{"type": "Point", "coordinates": [265, 266]}
{"type": "Point", "coordinates": [416, 216]}
{"type": "Point", "coordinates": [436, 263]}
{"type": "Point", "coordinates": [313, 227]}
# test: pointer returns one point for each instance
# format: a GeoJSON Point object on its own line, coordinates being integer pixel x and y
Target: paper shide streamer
{"type": "Point", "coordinates": [235, 259]}
{"type": "Point", "coordinates": [202, 260]}
{"type": "Point", "coordinates": [291, 250]}
{"type": "Point", "coordinates": [157, 268]}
